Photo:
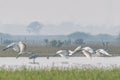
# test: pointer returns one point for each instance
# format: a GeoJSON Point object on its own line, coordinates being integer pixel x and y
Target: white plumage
{"type": "Point", "coordinates": [66, 53]}
{"type": "Point", "coordinates": [62, 53]}
{"type": "Point", "coordinates": [87, 51]}
{"type": "Point", "coordinates": [18, 47]}
{"type": "Point", "coordinates": [100, 52]}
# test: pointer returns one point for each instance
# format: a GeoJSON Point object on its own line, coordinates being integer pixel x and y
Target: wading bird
{"type": "Point", "coordinates": [87, 51]}
{"type": "Point", "coordinates": [102, 52]}
{"type": "Point", "coordinates": [67, 53]}
{"type": "Point", "coordinates": [34, 56]}
{"type": "Point", "coordinates": [19, 47]}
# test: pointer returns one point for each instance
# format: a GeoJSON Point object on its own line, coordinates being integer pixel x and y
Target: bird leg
{"type": "Point", "coordinates": [18, 55]}
{"type": "Point", "coordinates": [34, 61]}
{"type": "Point", "coordinates": [4, 49]}
{"type": "Point", "coordinates": [7, 48]}
{"type": "Point", "coordinates": [55, 55]}
{"type": "Point", "coordinates": [49, 56]}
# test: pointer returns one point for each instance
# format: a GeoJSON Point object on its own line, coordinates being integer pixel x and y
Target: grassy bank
{"type": "Point", "coordinates": [56, 74]}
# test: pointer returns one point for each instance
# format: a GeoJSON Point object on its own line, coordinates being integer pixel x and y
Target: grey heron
{"type": "Point", "coordinates": [34, 56]}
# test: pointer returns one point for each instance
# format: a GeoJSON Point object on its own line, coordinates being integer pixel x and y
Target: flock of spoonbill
{"type": "Point", "coordinates": [87, 51]}
{"type": "Point", "coordinates": [21, 48]}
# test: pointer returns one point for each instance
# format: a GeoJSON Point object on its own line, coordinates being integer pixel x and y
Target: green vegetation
{"type": "Point", "coordinates": [56, 74]}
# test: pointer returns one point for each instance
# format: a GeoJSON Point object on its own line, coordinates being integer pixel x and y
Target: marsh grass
{"type": "Point", "coordinates": [57, 74]}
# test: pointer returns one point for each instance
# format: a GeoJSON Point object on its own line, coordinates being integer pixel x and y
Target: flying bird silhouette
{"type": "Point", "coordinates": [100, 52]}
{"type": "Point", "coordinates": [19, 47]}
{"type": "Point", "coordinates": [67, 53]}
{"type": "Point", "coordinates": [87, 51]}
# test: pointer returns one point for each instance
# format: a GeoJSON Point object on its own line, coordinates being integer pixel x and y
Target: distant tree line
{"type": "Point", "coordinates": [77, 38]}
{"type": "Point", "coordinates": [59, 43]}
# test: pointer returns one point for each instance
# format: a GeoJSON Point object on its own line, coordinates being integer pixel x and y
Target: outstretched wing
{"type": "Point", "coordinates": [102, 51]}
{"type": "Point", "coordinates": [62, 53]}
{"type": "Point", "coordinates": [9, 46]}
{"type": "Point", "coordinates": [87, 51]}
{"type": "Point", "coordinates": [75, 50]}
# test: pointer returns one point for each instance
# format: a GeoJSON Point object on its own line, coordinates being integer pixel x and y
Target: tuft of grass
{"type": "Point", "coordinates": [57, 74]}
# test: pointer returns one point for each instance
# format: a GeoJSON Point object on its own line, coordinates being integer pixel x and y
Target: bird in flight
{"type": "Point", "coordinates": [19, 47]}
{"type": "Point", "coordinates": [87, 51]}
{"type": "Point", "coordinates": [103, 52]}
{"type": "Point", "coordinates": [67, 53]}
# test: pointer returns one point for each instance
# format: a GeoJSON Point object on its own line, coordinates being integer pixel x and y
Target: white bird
{"type": "Point", "coordinates": [100, 52]}
{"type": "Point", "coordinates": [18, 47]}
{"type": "Point", "coordinates": [67, 53]}
{"type": "Point", "coordinates": [87, 51]}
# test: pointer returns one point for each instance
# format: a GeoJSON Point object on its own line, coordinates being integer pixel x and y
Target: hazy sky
{"type": "Point", "coordinates": [92, 16]}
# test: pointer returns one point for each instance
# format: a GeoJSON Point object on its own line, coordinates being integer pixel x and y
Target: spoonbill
{"type": "Point", "coordinates": [87, 51]}
{"type": "Point", "coordinates": [100, 52]}
{"type": "Point", "coordinates": [67, 53]}
{"type": "Point", "coordinates": [104, 51]}
{"type": "Point", "coordinates": [19, 47]}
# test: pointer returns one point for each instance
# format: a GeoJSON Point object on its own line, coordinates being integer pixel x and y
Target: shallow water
{"type": "Point", "coordinates": [72, 62]}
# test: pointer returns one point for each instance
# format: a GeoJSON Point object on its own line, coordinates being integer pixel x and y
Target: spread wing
{"type": "Point", "coordinates": [102, 51]}
{"type": "Point", "coordinates": [62, 53]}
{"type": "Point", "coordinates": [87, 51]}
{"type": "Point", "coordinates": [12, 45]}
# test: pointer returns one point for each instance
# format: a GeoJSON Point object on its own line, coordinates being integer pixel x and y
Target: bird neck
{"type": "Point", "coordinates": [71, 52]}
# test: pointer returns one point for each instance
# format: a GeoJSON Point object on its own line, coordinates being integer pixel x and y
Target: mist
{"type": "Point", "coordinates": [63, 28]}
